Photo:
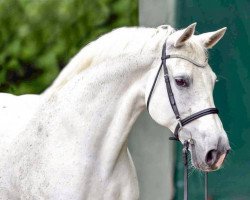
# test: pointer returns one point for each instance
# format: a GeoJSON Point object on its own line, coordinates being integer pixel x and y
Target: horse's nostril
{"type": "Point", "coordinates": [211, 157]}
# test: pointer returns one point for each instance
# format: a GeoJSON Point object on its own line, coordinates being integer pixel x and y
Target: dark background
{"type": "Point", "coordinates": [230, 59]}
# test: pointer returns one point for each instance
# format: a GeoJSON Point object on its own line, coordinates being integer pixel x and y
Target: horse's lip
{"type": "Point", "coordinates": [205, 168]}
{"type": "Point", "coordinates": [219, 161]}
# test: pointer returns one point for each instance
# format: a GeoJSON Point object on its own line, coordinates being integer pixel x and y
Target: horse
{"type": "Point", "coordinates": [70, 142]}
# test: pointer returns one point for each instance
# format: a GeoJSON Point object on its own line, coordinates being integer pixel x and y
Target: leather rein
{"type": "Point", "coordinates": [181, 122]}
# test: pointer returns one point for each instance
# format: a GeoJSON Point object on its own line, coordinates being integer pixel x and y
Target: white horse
{"type": "Point", "coordinates": [71, 141]}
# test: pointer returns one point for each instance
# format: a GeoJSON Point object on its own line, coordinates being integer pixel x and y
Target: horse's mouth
{"type": "Point", "coordinates": [204, 167]}
{"type": "Point", "coordinates": [219, 161]}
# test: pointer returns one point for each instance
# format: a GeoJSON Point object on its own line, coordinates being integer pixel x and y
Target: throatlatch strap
{"type": "Point", "coordinates": [168, 85]}
{"type": "Point", "coordinates": [153, 86]}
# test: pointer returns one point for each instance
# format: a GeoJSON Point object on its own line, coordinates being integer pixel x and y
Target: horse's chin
{"type": "Point", "coordinates": [205, 168]}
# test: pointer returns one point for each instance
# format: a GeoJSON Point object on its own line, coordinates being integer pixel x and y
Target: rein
{"type": "Point", "coordinates": [181, 122]}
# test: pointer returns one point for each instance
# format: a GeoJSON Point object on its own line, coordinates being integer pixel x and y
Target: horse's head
{"type": "Point", "coordinates": [192, 87]}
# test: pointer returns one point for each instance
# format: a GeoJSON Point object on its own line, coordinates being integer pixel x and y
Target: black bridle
{"type": "Point", "coordinates": [181, 122]}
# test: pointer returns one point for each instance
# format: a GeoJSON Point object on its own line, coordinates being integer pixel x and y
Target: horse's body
{"type": "Point", "coordinates": [74, 144]}
{"type": "Point", "coordinates": [71, 141]}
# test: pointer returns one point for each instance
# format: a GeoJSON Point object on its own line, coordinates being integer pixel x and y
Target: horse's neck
{"type": "Point", "coordinates": [104, 102]}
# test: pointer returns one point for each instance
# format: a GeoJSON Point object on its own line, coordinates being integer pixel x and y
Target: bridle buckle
{"type": "Point", "coordinates": [179, 122]}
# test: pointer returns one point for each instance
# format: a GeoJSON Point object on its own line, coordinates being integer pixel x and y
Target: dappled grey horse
{"type": "Point", "coordinates": [71, 141]}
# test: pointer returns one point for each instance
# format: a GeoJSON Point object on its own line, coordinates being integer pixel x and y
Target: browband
{"type": "Point", "coordinates": [187, 59]}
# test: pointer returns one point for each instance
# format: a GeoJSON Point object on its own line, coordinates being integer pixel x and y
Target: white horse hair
{"type": "Point", "coordinates": [71, 141]}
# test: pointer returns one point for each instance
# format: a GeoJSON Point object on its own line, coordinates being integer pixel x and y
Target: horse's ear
{"type": "Point", "coordinates": [185, 35]}
{"type": "Point", "coordinates": [211, 38]}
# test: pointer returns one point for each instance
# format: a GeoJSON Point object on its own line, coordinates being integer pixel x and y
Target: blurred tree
{"type": "Point", "coordinates": [38, 37]}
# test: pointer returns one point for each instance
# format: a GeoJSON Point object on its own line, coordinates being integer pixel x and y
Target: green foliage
{"type": "Point", "coordinates": [38, 37]}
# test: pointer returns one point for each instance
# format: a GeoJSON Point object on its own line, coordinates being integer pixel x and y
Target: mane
{"type": "Point", "coordinates": [121, 41]}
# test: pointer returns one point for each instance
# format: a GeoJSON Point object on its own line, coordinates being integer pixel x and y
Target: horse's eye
{"type": "Point", "coordinates": [182, 82]}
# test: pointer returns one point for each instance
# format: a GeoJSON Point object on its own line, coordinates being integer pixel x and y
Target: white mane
{"type": "Point", "coordinates": [122, 41]}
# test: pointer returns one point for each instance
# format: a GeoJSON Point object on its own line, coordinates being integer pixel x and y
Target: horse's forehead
{"type": "Point", "coordinates": [209, 73]}
{"type": "Point", "coordinates": [183, 67]}
{"type": "Point", "coordinates": [205, 79]}
{"type": "Point", "coordinates": [192, 49]}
